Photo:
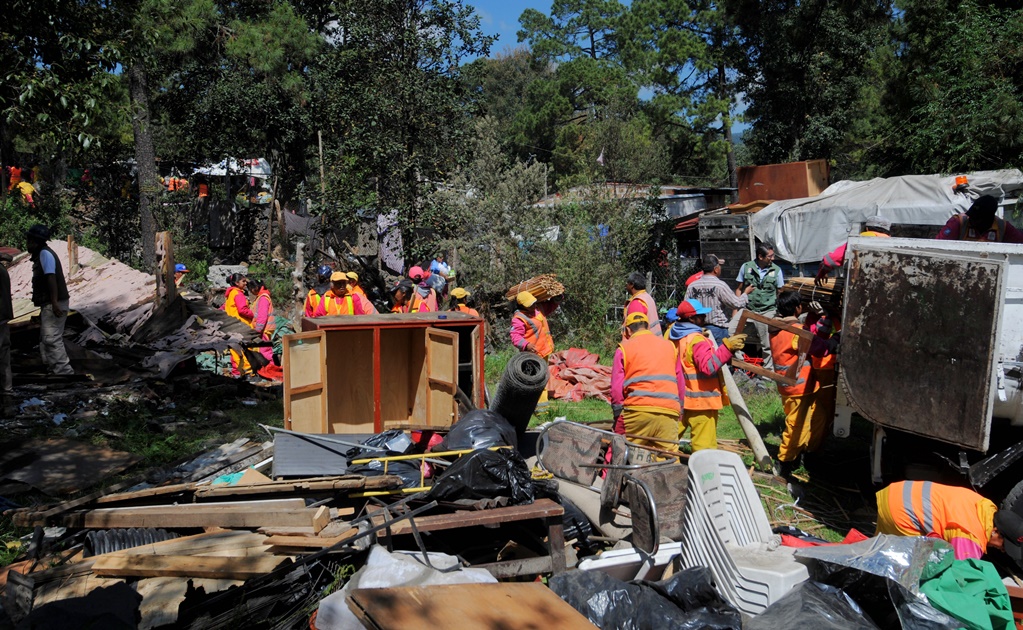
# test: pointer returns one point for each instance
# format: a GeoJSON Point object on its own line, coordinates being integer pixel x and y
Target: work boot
{"type": "Point", "coordinates": [784, 469]}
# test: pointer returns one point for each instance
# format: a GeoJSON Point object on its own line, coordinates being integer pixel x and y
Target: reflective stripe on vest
{"type": "Point", "coordinates": [703, 391]}
{"type": "Point", "coordinates": [993, 234]}
{"type": "Point", "coordinates": [923, 522]}
{"type": "Point", "coordinates": [335, 308]}
{"type": "Point", "coordinates": [538, 332]}
{"type": "Point", "coordinates": [784, 357]}
{"type": "Point", "coordinates": [419, 304]}
{"type": "Point", "coordinates": [649, 365]}
{"type": "Point", "coordinates": [313, 300]}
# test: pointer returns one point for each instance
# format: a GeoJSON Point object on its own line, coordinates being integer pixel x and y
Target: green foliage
{"type": "Point", "coordinates": [16, 217]}
{"type": "Point", "coordinates": [277, 278]}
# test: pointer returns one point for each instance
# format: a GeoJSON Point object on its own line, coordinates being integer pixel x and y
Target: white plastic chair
{"type": "Point", "coordinates": [726, 530]}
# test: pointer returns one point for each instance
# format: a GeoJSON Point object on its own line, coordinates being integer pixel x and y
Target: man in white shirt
{"type": "Point", "coordinates": [50, 294]}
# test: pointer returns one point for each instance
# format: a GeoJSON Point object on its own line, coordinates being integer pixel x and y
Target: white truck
{"type": "Point", "coordinates": [932, 348]}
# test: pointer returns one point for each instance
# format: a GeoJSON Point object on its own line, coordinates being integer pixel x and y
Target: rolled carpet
{"type": "Point", "coordinates": [519, 389]}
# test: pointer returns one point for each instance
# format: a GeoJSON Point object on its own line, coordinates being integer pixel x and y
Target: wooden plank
{"type": "Point", "coordinates": [760, 371]}
{"type": "Point", "coordinates": [321, 518]}
{"type": "Point", "coordinates": [123, 497]}
{"type": "Point", "coordinates": [186, 566]}
{"type": "Point", "coordinates": [517, 568]}
{"type": "Point", "coordinates": [311, 542]}
{"type": "Point", "coordinates": [27, 517]}
{"type": "Point", "coordinates": [197, 516]}
{"type": "Point", "coordinates": [524, 606]}
{"type": "Point", "coordinates": [771, 322]}
{"type": "Point", "coordinates": [541, 508]}
{"type": "Point", "coordinates": [238, 506]}
{"type": "Point", "coordinates": [304, 364]}
{"type": "Point", "coordinates": [197, 544]}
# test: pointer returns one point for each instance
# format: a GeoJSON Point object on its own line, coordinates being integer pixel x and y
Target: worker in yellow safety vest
{"type": "Point", "coordinates": [705, 394]}
{"type": "Point", "coordinates": [237, 305]}
{"type": "Point", "coordinates": [355, 288]}
{"type": "Point", "coordinates": [531, 332]}
{"type": "Point", "coordinates": [315, 295]}
{"type": "Point", "coordinates": [646, 386]}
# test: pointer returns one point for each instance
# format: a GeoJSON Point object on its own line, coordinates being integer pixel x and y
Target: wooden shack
{"type": "Point", "coordinates": [371, 373]}
{"type": "Point", "coordinates": [727, 236]}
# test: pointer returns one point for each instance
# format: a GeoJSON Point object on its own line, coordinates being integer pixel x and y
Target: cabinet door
{"type": "Point", "coordinates": [442, 377]}
{"type": "Point", "coordinates": [304, 362]}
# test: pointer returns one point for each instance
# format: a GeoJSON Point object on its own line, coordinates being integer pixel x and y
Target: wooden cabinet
{"type": "Point", "coordinates": [371, 373]}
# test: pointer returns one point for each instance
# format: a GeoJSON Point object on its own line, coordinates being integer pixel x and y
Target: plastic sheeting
{"type": "Point", "coordinates": [685, 601]}
{"type": "Point", "coordinates": [486, 475]}
{"type": "Point", "coordinates": [577, 374]}
{"type": "Point", "coordinates": [480, 428]}
{"type": "Point", "coordinates": [803, 230]}
{"type": "Point", "coordinates": [813, 605]}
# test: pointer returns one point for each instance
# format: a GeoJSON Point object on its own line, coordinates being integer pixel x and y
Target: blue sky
{"type": "Point", "coordinates": [502, 19]}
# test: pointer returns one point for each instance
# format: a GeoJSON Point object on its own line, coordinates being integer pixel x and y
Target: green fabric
{"type": "Point", "coordinates": [765, 296]}
{"type": "Point", "coordinates": [969, 590]}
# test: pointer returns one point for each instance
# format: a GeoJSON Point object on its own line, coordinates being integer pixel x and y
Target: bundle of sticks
{"type": "Point", "coordinates": [543, 287]}
{"type": "Point", "coordinates": [810, 292]}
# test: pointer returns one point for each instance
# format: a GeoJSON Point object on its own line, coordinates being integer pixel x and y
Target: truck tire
{"type": "Point", "coordinates": [1014, 500]}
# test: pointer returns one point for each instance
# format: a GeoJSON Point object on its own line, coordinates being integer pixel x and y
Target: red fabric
{"type": "Point", "coordinates": [693, 278]}
{"type": "Point", "coordinates": [854, 536]}
{"type": "Point", "coordinates": [577, 374]}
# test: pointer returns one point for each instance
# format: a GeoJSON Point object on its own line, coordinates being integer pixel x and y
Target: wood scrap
{"type": "Point", "coordinates": [232, 568]}
{"type": "Point", "coordinates": [809, 291]}
{"type": "Point", "coordinates": [304, 487]}
{"type": "Point", "coordinates": [229, 516]}
{"type": "Point", "coordinates": [311, 542]}
{"type": "Point", "coordinates": [543, 287]}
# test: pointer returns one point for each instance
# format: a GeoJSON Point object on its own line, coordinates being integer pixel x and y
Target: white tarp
{"type": "Point", "coordinates": [803, 230]}
{"type": "Point", "coordinates": [256, 167]}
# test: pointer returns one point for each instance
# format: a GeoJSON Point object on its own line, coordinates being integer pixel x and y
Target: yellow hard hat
{"type": "Point", "coordinates": [633, 318]}
{"type": "Point", "coordinates": [525, 299]}
{"type": "Point", "coordinates": [338, 276]}
{"type": "Point", "coordinates": [351, 275]}
{"type": "Point", "coordinates": [459, 293]}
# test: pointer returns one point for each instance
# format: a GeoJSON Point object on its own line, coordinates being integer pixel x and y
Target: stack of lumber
{"type": "Point", "coordinates": [543, 287]}
{"type": "Point", "coordinates": [810, 292]}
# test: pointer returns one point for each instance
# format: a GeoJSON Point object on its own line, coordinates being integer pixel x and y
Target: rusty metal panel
{"type": "Point", "coordinates": [919, 342]}
{"type": "Point", "coordinates": [792, 180]}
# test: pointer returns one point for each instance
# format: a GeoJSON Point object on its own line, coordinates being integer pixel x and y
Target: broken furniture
{"type": "Point", "coordinates": [654, 492]}
{"type": "Point", "coordinates": [543, 509]}
{"type": "Point", "coordinates": [805, 337]}
{"type": "Point", "coordinates": [465, 606]}
{"type": "Point", "coordinates": [726, 530]}
{"type": "Point", "coordinates": [371, 373]}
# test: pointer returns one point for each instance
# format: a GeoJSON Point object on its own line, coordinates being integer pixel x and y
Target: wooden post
{"type": "Point", "coordinates": [72, 255]}
{"type": "Point", "coordinates": [166, 289]}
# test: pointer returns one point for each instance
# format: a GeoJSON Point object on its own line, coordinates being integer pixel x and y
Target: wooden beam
{"type": "Point", "coordinates": [760, 371]}
{"type": "Point", "coordinates": [166, 290]}
{"type": "Point", "coordinates": [541, 508]}
{"type": "Point", "coordinates": [200, 516]}
{"type": "Point", "coordinates": [772, 323]}
{"type": "Point", "coordinates": [72, 256]}
{"type": "Point", "coordinates": [805, 337]}
{"type": "Point", "coordinates": [311, 542]}
{"type": "Point", "coordinates": [235, 568]}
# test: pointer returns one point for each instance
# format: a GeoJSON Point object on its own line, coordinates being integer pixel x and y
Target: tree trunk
{"type": "Point", "coordinates": [726, 125]}
{"type": "Point", "coordinates": [145, 161]}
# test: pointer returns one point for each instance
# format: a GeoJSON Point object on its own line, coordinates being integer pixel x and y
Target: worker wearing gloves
{"type": "Point", "coordinates": [646, 386]}
{"type": "Point", "coordinates": [459, 296]}
{"type": "Point", "coordinates": [315, 295]}
{"type": "Point", "coordinates": [337, 301]}
{"type": "Point", "coordinates": [701, 369]}
{"type": "Point", "coordinates": [979, 223]}
{"type": "Point", "coordinates": [797, 400]}
{"type": "Point", "coordinates": [531, 332]}
{"type": "Point", "coordinates": [876, 226]}
{"type": "Point", "coordinates": [640, 301]}
{"type": "Point", "coordinates": [237, 305]}
{"type": "Point", "coordinates": [959, 516]}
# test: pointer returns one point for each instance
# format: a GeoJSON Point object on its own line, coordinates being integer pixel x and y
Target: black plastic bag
{"type": "Point", "coordinates": [486, 475]}
{"type": "Point", "coordinates": [611, 604]}
{"type": "Point", "coordinates": [393, 442]}
{"type": "Point", "coordinates": [813, 605]}
{"type": "Point", "coordinates": [480, 428]}
{"type": "Point", "coordinates": [408, 470]}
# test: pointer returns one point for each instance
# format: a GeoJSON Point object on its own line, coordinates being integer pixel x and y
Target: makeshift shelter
{"type": "Point", "coordinates": [803, 230]}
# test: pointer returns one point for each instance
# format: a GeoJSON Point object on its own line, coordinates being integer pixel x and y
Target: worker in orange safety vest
{"type": "Point", "coordinates": [338, 301]}
{"type": "Point", "coordinates": [964, 519]}
{"type": "Point", "coordinates": [531, 332]}
{"type": "Point", "coordinates": [705, 394]}
{"type": "Point", "coordinates": [797, 400]}
{"type": "Point", "coordinates": [640, 301]}
{"type": "Point", "coordinates": [646, 386]}
{"type": "Point", "coordinates": [355, 288]}
{"type": "Point", "coordinates": [459, 296]}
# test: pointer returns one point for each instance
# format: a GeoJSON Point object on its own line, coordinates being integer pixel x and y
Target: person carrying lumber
{"type": "Point", "coordinates": [964, 519]}
{"type": "Point", "coordinates": [355, 288]}
{"type": "Point", "coordinates": [876, 226]}
{"type": "Point", "coordinates": [804, 431]}
{"type": "Point", "coordinates": [237, 305]}
{"type": "Point", "coordinates": [640, 301]}
{"type": "Point", "coordinates": [531, 332]}
{"type": "Point", "coordinates": [459, 296]}
{"type": "Point", "coordinates": [980, 223]}
{"type": "Point", "coordinates": [711, 291]}
{"type": "Point", "coordinates": [647, 386]}
{"type": "Point", "coordinates": [767, 280]}
{"type": "Point", "coordinates": [315, 295]}
{"type": "Point", "coordinates": [338, 301]}
{"type": "Point", "coordinates": [705, 394]}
